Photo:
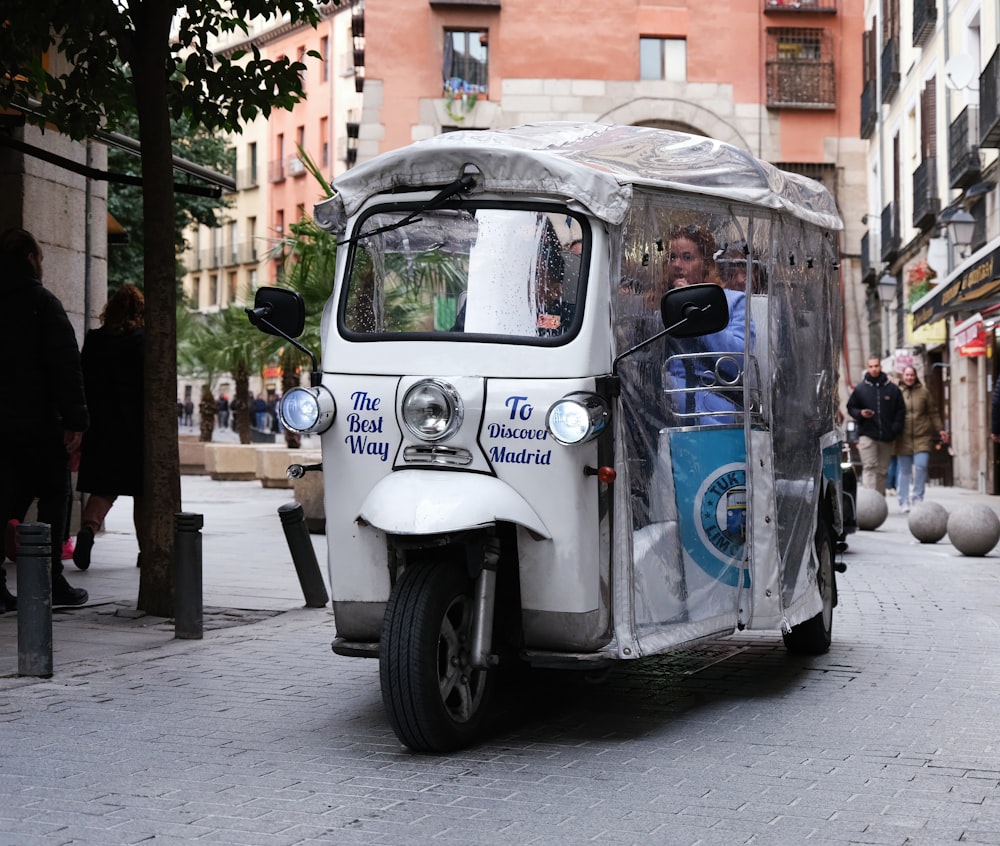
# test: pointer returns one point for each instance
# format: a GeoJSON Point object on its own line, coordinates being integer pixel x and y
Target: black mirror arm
{"type": "Point", "coordinates": [258, 317]}
{"type": "Point", "coordinates": [645, 343]}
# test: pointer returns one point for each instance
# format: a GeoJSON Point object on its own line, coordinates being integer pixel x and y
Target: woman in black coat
{"type": "Point", "coordinates": [111, 455]}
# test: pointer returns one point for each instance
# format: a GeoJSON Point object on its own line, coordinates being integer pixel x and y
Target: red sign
{"type": "Point", "coordinates": [970, 337]}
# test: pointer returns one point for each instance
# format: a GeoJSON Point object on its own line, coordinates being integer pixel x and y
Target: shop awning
{"type": "Point", "coordinates": [972, 288]}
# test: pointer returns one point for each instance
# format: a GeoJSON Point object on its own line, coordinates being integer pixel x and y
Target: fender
{"type": "Point", "coordinates": [427, 502]}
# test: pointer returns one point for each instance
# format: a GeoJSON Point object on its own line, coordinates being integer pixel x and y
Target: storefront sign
{"type": "Point", "coordinates": [970, 337]}
{"type": "Point", "coordinates": [974, 288]}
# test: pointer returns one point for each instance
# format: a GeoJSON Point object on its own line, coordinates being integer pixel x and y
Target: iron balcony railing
{"type": "Point", "coordinates": [867, 269]}
{"type": "Point", "coordinates": [890, 232]}
{"type": "Point", "coordinates": [924, 19]}
{"type": "Point", "coordinates": [963, 153]}
{"type": "Point", "coordinates": [802, 84]}
{"type": "Point", "coordinates": [989, 103]}
{"type": "Point", "coordinates": [869, 109]}
{"type": "Point", "coordinates": [890, 69]}
{"type": "Point", "coordinates": [926, 202]}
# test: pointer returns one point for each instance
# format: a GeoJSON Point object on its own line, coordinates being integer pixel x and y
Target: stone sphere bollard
{"type": "Point", "coordinates": [928, 522]}
{"type": "Point", "coordinates": [974, 529]}
{"type": "Point", "coordinates": [872, 509]}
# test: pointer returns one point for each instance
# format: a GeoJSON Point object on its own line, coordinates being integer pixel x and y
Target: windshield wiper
{"type": "Point", "coordinates": [463, 184]}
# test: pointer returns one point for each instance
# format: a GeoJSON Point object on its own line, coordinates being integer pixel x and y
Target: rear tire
{"type": "Point", "coordinates": [813, 636]}
{"type": "Point", "coordinates": [434, 700]}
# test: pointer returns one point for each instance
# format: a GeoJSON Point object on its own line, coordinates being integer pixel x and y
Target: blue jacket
{"type": "Point", "coordinates": [695, 372]}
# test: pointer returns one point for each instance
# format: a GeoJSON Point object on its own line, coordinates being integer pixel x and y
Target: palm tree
{"type": "Point", "coordinates": [227, 344]}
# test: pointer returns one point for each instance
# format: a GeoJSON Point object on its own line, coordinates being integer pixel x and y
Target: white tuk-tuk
{"type": "Point", "coordinates": [577, 405]}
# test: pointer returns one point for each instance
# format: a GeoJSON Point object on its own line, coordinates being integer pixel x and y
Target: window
{"type": "Point", "coordinates": [234, 243]}
{"type": "Point", "coordinates": [466, 68]}
{"type": "Point", "coordinates": [233, 286]}
{"type": "Point", "coordinates": [800, 72]}
{"type": "Point", "coordinates": [252, 237]}
{"type": "Point", "coordinates": [196, 293]}
{"type": "Point", "coordinates": [663, 58]}
{"type": "Point", "coordinates": [324, 51]}
{"type": "Point", "coordinates": [302, 61]}
{"type": "Point", "coordinates": [252, 162]}
{"type": "Point", "coordinates": [215, 289]}
{"type": "Point", "coordinates": [324, 129]}
{"type": "Point", "coordinates": [279, 222]}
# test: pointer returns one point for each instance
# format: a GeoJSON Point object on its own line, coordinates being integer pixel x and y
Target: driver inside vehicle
{"type": "Point", "coordinates": [705, 373]}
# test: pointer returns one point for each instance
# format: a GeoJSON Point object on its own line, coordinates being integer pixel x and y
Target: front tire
{"type": "Point", "coordinates": [813, 636]}
{"type": "Point", "coordinates": [435, 701]}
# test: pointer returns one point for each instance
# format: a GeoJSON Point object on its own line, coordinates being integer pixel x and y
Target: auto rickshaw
{"type": "Point", "coordinates": [545, 438]}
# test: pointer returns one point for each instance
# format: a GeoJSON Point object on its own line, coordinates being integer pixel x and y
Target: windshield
{"type": "Point", "coordinates": [510, 272]}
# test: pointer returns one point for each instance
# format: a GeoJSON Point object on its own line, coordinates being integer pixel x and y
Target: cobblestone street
{"type": "Point", "coordinates": [258, 734]}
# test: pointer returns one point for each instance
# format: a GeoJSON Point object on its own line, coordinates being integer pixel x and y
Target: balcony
{"type": "Point", "coordinates": [867, 269]}
{"type": "Point", "coordinates": [246, 178]}
{"type": "Point", "coordinates": [989, 103]}
{"type": "Point", "coordinates": [800, 84]}
{"type": "Point", "coordinates": [890, 233]}
{"type": "Point", "coordinates": [890, 69]}
{"type": "Point", "coordinates": [276, 171]}
{"type": "Point", "coordinates": [924, 20]}
{"type": "Point", "coordinates": [211, 258]}
{"type": "Point", "coordinates": [869, 109]}
{"type": "Point", "coordinates": [963, 154]}
{"type": "Point", "coordinates": [248, 253]}
{"type": "Point", "coordinates": [828, 7]}
{"type": "Point", "coordinates": [926, 203]}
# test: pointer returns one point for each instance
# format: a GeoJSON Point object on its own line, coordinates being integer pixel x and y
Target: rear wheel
{"type": "Point", "coordinates": [435, 700]}
{"type": "Point", "coordinates": [813, 636]}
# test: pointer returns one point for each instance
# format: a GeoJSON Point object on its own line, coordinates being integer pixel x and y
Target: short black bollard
{"type": "Point", "coordinates": [34, 600]}
{"type": "Point", "coordinates": [188, 618]}
{"type": "Point", "coordinates": [303, 555]}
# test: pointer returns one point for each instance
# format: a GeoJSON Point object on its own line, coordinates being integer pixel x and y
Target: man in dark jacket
{"type": "Point", "coordinates": [42, 382]}
{"type": "Point", "coordinates": [877, 405]}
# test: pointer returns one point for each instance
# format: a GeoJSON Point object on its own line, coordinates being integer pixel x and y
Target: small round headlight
{"type": "Point", "coordinates": [432, 410]}
{"type": "Point", "coordinates": [577, 417]}
{"type": "Point", "coordinates": [307, 410]}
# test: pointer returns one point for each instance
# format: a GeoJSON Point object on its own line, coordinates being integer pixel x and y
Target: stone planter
{"type": "Point", "coordinates": [231, 462]}
{"type": "Point", "coordinates": [272, 464]}
{"type": "Point", "coordinates": [192, 455]}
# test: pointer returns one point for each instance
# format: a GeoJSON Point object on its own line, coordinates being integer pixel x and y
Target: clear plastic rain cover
{"type": "Point", "coordinates": [720, 442]}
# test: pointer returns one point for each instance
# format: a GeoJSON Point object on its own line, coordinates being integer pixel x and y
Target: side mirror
{"type": "Point", "coordinates": [694, 310]}
{"type": "Point", "coordinates": [278, 311]}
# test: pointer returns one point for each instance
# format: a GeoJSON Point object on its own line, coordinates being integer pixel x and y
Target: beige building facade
{"type": "Point", "coordinates": [932, 247]}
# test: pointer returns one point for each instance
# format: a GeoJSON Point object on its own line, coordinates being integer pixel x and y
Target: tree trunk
{"type": "Point", "coordinates": [289, 380]}
{"type": "Point", "coordinates": [241, 405]}
{"type": "Point", "coordinates": [162, 495]}
{"type": "Point", "coordinates": [206, 413]}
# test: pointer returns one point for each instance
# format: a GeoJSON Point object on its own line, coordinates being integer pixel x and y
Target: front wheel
{"type": "Point", "coordinates": [813, 636]}
{"type": "Point", "coordinates": [435, 701]}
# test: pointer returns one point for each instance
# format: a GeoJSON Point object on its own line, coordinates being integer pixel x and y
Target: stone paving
{"type": "Point", "coordinates": [258, 734]}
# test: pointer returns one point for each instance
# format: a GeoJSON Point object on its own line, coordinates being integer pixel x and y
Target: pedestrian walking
{"type": "Point", "coordinates": [913, 444]}
{"type": "Point", "coordinates": [41, 372]}
{"type": "Point", "coordinates": [111, 460]}
{"type": "Point", "coordinates": [877, 405]}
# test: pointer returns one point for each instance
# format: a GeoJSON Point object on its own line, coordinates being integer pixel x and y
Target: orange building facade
{"type": "Point", "coordinates": [780, 78]}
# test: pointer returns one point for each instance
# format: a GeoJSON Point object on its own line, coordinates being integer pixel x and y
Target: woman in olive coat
{"type": "Point", "coordinates": [913, 445]}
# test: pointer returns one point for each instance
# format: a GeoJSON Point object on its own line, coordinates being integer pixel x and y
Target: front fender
{"type": "Point", "coordinates": [427, 502]}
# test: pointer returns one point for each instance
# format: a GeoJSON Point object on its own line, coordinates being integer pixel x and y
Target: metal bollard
{"type": "Point", "coordinates": [188, 618]}
{"type": "Point", "coordinates": [293, 521]}
{"type": "Point", "coordinates": [34, 600]}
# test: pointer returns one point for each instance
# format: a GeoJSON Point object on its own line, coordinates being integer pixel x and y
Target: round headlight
{"type": "Point", "coordinates": [432, 410]}
{"type": "Point", "coordinates": [307, 410]}
{"type": "Point", "coordinates": [577, 418]}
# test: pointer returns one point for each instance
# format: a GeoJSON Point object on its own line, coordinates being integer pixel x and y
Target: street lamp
{"type": "Point", "coordinates": [961, 228]}
{"type": "Point", "coordinates": [886, 295]}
